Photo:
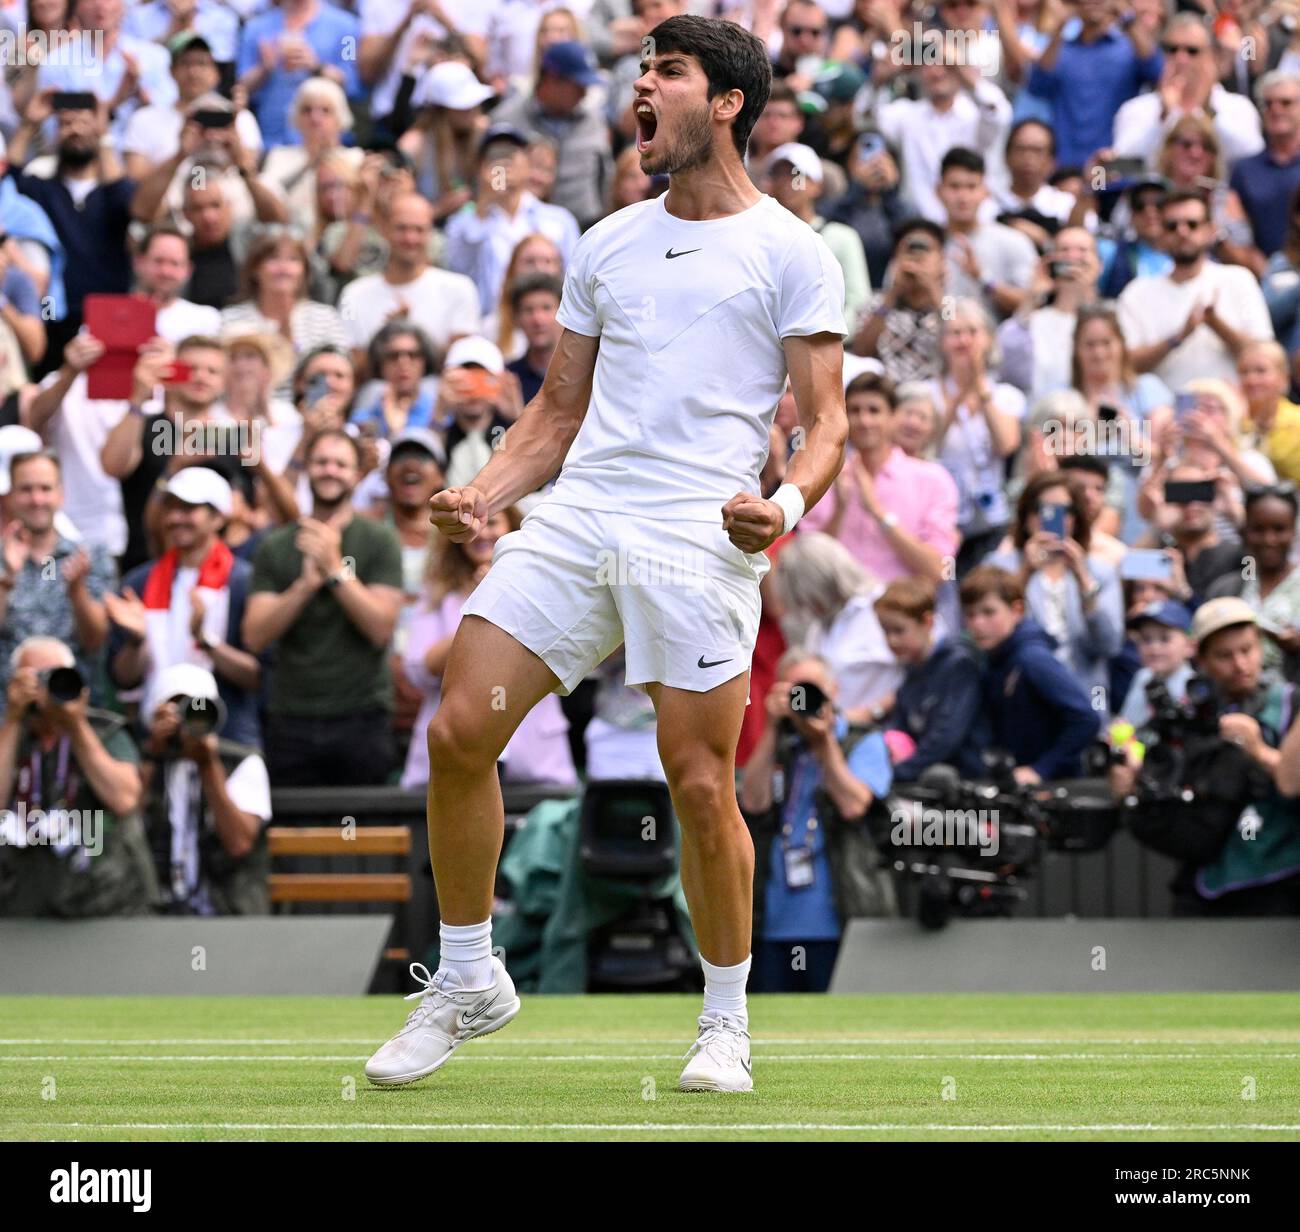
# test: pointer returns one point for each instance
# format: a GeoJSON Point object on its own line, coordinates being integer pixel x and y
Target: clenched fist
{"type": "Point", "coordinates": [751, 522]}
{"type": "Point", "coordinates": [459, 513]}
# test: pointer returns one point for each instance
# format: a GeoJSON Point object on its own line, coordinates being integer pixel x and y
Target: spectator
{"type": "Point", "coordinates": [152, 441]}
{"type": "Point", "coordinates": [1271, 588]}
{"type": "Point", "coordinates": [630, 184]}
{"type": "Point", "coordinates": [1194, 321]}
{"type": "Point", "coordinates": [282, 47]}
{"type": "Point", "coordinates": [794, 176]}
{"type": "Point", "coordinates": [979, 427]}
{"type": "Point", "coordinates": [162, 270]}
{"type": "Point", "coordinates": [534, 254]}
{"type": "Point", "coordinates": [1190, 527]}
{"type": "Point", "coordinates": [217, 247]}
{"type": "Point", "coordinates": [443, 304]}
{"type": "Point", "coordinates": [563, 108]}
{"type": "Point", "coordinates": [402, 358]}
{"type": "Point", "coordinates": [1257, 872]}
{"type": "Point", "coordinates": [1094, 479]}
{"type": "Point", "coordinates": [187, 606]}
{"type": "Point", "coordinates": [34, 246]}
{"type": "Point", "coordinates": [22, 320]}
{"type": "Point", "coordinates": [780, 122]}
{"type": "Point", "coordinates": [825, 598]}
{"type": "Point", "coordinates": [326, 593]}
{"type": "Point", "coordinates": [805, 40]}
{"type": "Point", "coordinates": [1139, 251]}
{"type": "Point", "coordinates": [320, 117]}
{"type": "Point", "coordinates": [1281, 286]}
{"type": "Point", "coordinates": [957, 108]}
{"type": "Point", "coordinates": [1187, 87]}
{"type": "Point", "coordinates": [1266, 182]}
{"type": "Point", "coordinates": [804, 870]}
{"type": "Point", "coordinates": [176, 24]}
{"type": "Point", "coordinates": [273, 286]}
{"type": "Point", "coordinates": [1037, 711]}
{"type": "Point", "coordinates": [896, 514]}
{"type": "Point", "coordinates": [153, 134]}
{"type": "Point", "coordinates": [985, 259]}
{"type": "Point", "coordinates": [1273, 421]}
{"type": "Point", "coordinates": [51, 586]}
{"type": "Point", "coordinates": [915, 419]}
{"type": "Point", "coordinates": [207, 801]}
{"type": "Point", "coordinates": [871, 204]}
{"type": "Point", "coordinates": [534, 301]}
{"type": "Point", "coordinates": [1161, 631]}
{"type": "Point", "coordinates": [60, 757]}
{"type": "Point", "coordinates": [1090, 74]}
{"type": "Point", "coordinates": [1071, 592]}
{"type": "Point", "coordinates": [938, 705]}
{"type": "Point", "coordinates": [539, 749]}
{"type": "Point", "coordinates": [482, 236]}
{"type": "Point", "coordinates": [1031, 158]}
{"type": "Point", "coordinates": [902, 327]}
{"type": "Point", "coordinates": [478, 401]}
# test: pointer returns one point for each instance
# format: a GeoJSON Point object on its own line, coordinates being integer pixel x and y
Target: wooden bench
{"type": "Point", "coordinates": [330, 841]}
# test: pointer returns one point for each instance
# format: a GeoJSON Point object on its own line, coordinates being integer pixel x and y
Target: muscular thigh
{"type": "Point", "coordinates": [695, 727]}
{"type": "Point", "coordinates": [492, 681]}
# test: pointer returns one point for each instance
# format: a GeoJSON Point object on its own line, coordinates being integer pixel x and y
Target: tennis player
{"type": "Point", "coordinates": [682, 316]}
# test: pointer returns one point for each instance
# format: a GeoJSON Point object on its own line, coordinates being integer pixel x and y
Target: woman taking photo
{"type": "Point", "coordinates": [1074, 594]}
{"type": "Point", "coordinates": [539, 749]}
{"type": "Point", "coordinates": [979, 428]}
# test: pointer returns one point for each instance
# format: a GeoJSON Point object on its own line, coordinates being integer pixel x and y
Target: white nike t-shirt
{"type": "Point", "coordinates": [690, 367]}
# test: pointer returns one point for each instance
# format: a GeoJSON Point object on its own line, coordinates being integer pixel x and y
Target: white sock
{"type": "Point", "coordinates": [466, 949]}
{"type": "Point", "coordinates": [724, 989]}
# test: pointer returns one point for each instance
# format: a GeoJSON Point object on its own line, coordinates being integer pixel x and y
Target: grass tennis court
{"type": "Point", "coordinates": [1167, 1067]}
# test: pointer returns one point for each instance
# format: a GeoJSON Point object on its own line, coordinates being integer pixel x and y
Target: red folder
{"type": "Point", "coordinates": [123, 323]}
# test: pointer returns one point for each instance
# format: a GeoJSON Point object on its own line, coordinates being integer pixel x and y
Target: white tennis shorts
{"type": "Point", "coordinates": [573, 584]}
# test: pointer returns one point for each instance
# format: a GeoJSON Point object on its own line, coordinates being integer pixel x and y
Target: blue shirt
{"type": "Point", "coordinates": [808, 913]}
{"type": "Point", "coordinates": [330, 33]}
{"type": "Point", "coordinates": [1265, 187]}
{"type": "Point", "coordinates": [101, 77]}
{"type": "Point", "coordinates": [419, 416]}
{"type": "Point", "coordinates": [1087, 86]}
{"type": "Point", "coordinates": [216, 23]}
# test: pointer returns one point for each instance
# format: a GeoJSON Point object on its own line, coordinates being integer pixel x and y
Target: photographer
{"type": "Point", "coordinates": [815, 865]}
{"type": "Point", "coordinates": [1247, 715]}
{"type": "Point", "coordinates": [71, 843]}
{"type": "Point", "coordinates": [207, 802]}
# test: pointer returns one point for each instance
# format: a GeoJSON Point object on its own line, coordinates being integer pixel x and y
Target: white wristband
{"type": "Point", "coordinates": [791, 501]}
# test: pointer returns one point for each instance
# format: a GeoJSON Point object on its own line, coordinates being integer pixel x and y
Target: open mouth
{"type": "Point", "coordinates": [646, 124]}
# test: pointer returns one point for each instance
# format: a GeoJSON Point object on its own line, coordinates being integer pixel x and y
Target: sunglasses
{"type": "Point", "coordinates": [1173, 49]}
{"type": "Point", "coordinates": [1191, 224]}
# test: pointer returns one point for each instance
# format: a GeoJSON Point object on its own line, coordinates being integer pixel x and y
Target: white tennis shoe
{"type": "Point", "coordinates": [447, 1016]}
{"type": "Point", "coordinates": [719, 1058]}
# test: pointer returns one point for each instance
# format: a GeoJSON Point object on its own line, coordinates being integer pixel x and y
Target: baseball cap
{"type": "Point", "coordinates": [571, 60]}
{"type": "Point", "coordinates": [187, 40]}
{"type": "Point", "coordinates": [15, 439]}
{"type": "Point", "coordinates": [1168, 612]}
{"type": "Point", "coordinates": [187, 680]}
{"type": "Point", "coordinates": [450, 84]}
{"type": "Point", "coordinates": [197, 485]}
{"type": "Point", "coordinates": [1146, 182]}
{"type": "Point", "coordinates": [421, 438]}
{"type": "Point", "coordinates": [1219, 614]}
{"type": "Point", "coordinates": [475, 350]}
{"type": "Point", "coordinates": [801, 157]}
{"type": "Point", "coordinates": [503, 132]}
{"type": "Point", "coordinates": [839, 83]}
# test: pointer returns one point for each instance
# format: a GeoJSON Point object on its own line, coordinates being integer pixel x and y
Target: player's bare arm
{"type": "Point", "coordinates": [532, 449]}
{"type": "Point", "coordinates": [815, 364]}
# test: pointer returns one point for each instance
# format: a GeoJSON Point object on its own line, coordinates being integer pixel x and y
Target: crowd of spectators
{"type": "Point", "coordinates": [1070, 240]}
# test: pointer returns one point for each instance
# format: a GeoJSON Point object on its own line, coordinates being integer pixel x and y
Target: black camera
{"type": "Point", "coordinates": [1198, 714]}
{"type": "Point", "coordinates": [807, 698]}
{"type": "Point", "coordinates": [63, 684]}
{"type": "Point", "coordinates": [199, 718]}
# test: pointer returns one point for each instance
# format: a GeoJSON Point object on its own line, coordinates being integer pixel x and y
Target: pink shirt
{"type": "Point", "coordinates": [539, 749]}
{"type": "Point", "coordinates": [921, 493]}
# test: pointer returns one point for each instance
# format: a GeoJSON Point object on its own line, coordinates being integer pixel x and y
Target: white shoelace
{"type": "Point", "coordinates": [719, 1036]}
{"type": "Point", "coordinates": [428, 996]}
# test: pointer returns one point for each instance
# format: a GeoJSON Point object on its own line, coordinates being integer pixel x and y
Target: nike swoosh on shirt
{"type": "Point", "coordinates": [715, 662]}
{"type": "Point", "coordinates": [670, 254]}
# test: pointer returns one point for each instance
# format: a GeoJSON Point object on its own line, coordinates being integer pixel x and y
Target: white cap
{"type": "Point", "coordinates": [187, 680]}
{"type": "Point", "coordinates": [801, 157]}
{"type": "Point", "coordinates": [15, 439]}
{"type": "Point", "coordinates": [200, 485]}
{"type": "Point", "coordinates": [475, 350]}
{"type": "Point", "coordinates": [450, 84]}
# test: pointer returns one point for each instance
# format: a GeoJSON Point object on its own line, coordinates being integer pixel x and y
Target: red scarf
{"type": "Point", "coordinates": [214, 574]}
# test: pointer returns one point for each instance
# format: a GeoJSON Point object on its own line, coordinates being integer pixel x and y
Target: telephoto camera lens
{"type": "Point", "coordinates": [64, 684]}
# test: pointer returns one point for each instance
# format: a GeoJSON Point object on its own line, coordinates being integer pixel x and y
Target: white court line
{"type": "Point", "coordinates": [770, 1042]}
{"type": "Point", "coordinates": [651, 1127]}
{"type": "Point", "coordinates": [483, 1056]}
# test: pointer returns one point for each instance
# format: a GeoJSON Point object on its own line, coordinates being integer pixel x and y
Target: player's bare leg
{"type": "Point", "coordinates": [491, 683]}
{"type": "Point", "coordinates": [697, 744]}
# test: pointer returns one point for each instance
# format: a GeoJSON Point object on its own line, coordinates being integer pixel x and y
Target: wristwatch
{"type": "Point", "coordinates": [890, 520]}
{"type": "Point", "coordinates": [335, 579]}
